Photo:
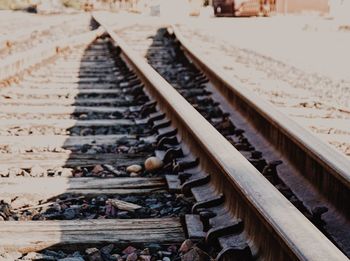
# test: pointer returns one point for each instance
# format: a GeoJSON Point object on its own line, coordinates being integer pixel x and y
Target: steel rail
{"type": "Point", "coordinates": [327, 169]}
{"type": "Point", "coordinates": [271, 222]}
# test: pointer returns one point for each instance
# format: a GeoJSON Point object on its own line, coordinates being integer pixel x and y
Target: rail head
{"type": "Point", "coordinates": [298, 239]}
{"type": "Point", "coordinates": [327, 156]}
{"type": "Point", "coordinates": [318, 154]}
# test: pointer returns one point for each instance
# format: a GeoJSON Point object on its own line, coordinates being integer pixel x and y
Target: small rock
{"type": "Point", "coordinates": [145, 252]}
{"type": "Point", "coordinates": [154, 247]}
{"type": "Point", "coordinates": [93, 254]}
{"type": "Point", "coordinates": [85, 132]}
{"type": "Point", "coordinates": [71, 259]}
{"type": "Point", "coordinates": [55, 254]}
{"type": "Point", "coordinates": [116, 256]}
{"type": "Point", "coordinates": [75, 254]}
{"type": "Point", "coordinates": [165, 253]}
{"type": "Point", "coordinates": [69, 213]}
{"type": "Point", "coordinates": [134, 174]}
{"type": "Point", "coordinates": [132, 257]}
{"type": "Point", "coordinates": [151, 200]}
{"type": "Point", "coordinates": [123, 148]}
{"type": "Point", "coordinates": [153, 163]}
{"type": "Point", "coordinates": [5, 210]}
{"type": "Point", "coordinates": [186, 246]}
{"type": "Point", "coordinates": [92, 250]}
{"type": "Point", "coordinates": [25, 173]}
{"type": "Point", "coordinates": [83, 116]}
{"type": "Point", "coordinates": [134, 168]}
{"type": "Point", "coordinates": [166, 259]}
{"type": "Point", "coordinates": [84, 148]}
{"type": "Point", "coordinates": [132, 199]}
{"type": "Point", "coordinates": [123, 214]}
{"type": "Point", "coordinates": [110, 210]}
{"type": "Point", "coordinates": [145, 258]}
{"type": "Point", "coordinates": [172, 249]}
{"type": "Point", "coordinates": [107, 249]}
{"type": "Point", "coordinates": [101, 199]}
{"type": "Point", "coordinates": [129, 250]}
{"type": "Point", "coordinates": [78, 174]}
{"type": "Point", "coordinates": [4, 172]}
{"type": "Point", "coordinates": [37, 171]}
{"type": "Point", "coordinates": [97, 169]}
{"type": "Point", "coordinates": [156, 206]}
{"type": "Point", "coordinates": [123, 140]}
{"type": "Point", "coordinates": [195, 254]}
{"type": "Point", "coordinates": [66, 172]}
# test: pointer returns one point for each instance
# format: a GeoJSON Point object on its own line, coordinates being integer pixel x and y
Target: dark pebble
{"type": "Point", "coordinates": [69, 214]}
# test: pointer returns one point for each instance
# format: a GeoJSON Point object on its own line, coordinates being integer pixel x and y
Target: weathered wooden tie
{"type": "Point", "coordinates": [37, 235]}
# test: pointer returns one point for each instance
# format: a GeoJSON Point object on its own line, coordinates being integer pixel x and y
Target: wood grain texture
{"type": "Point", "coordinates": [23, 109]}
{"type": "Point", "coordinates": [53, 159]}
{"type": "Point", "coordinates": [63, 141]}
{"type": "Point", "coordinates": [44, 186]}
{"type": "Point", "coordinates": [38, 235]}
{"type": "Point", "coordinates": [60, 102]}
{"type": "Point", "coordinates": [60, 91]}
{"type": "Point", "coordinates": [65, 124]}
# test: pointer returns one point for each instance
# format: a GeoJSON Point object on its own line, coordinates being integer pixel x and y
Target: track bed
{"type": "Point", "coordinates": [102, 159]}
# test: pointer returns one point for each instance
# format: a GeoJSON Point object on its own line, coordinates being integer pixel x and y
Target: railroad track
{"type": "Point", "coordinates": [98, 150]}
{"type": "Point", "coordinates": [316, 174]}
{"type": "Point", "coordinates": [313, 176]}
{"type": "Point", "coordinates": [315, 101]}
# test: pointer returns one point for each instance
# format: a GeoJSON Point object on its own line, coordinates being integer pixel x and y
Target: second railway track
{"type": "Point", "coordinates": [100, 154]}
{"type": "Point", "coordinates": [310, 174]}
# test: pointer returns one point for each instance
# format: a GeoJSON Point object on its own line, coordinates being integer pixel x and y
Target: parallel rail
{"type": "Point", "coordinates": [273, 224]}
{"type": "Point", "coordinates": [327, 169]}
{"type": "Point", "coordinates": [273, 227]}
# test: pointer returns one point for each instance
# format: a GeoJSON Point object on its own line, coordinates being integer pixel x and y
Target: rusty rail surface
{"type": "Point", "coordinates": [271, 222]}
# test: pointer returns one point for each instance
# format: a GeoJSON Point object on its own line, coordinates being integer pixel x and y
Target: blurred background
{"type": "Point", "coordinates": [332, 8]}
